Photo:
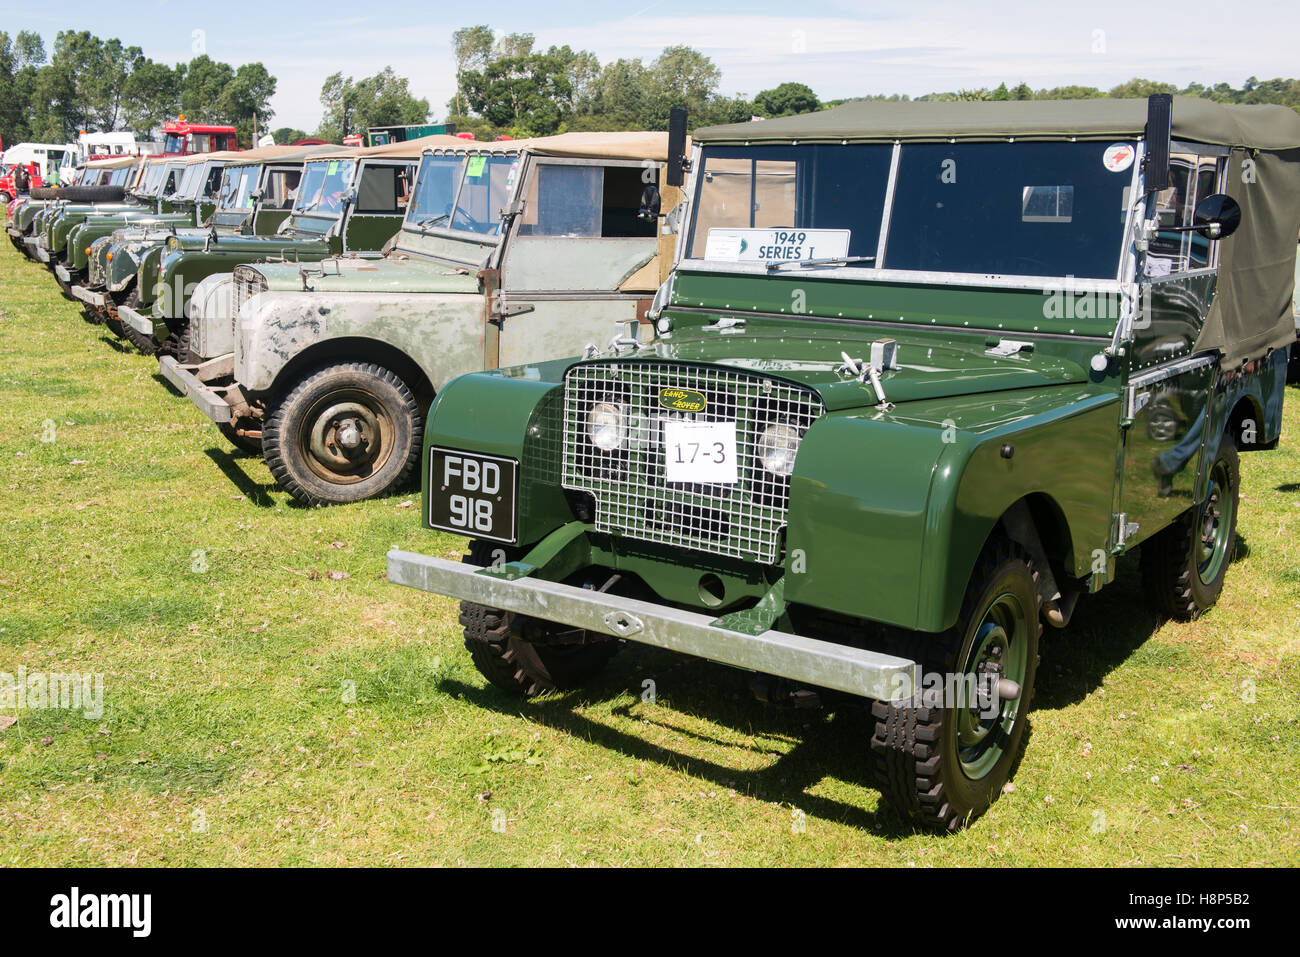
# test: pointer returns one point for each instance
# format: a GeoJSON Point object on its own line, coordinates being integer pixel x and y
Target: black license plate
{"type": "Point", "coordinates": [472, 494]}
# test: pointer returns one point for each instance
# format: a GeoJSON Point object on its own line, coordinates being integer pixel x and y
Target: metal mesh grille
{"type": "Point", "coordinates": [633, 496]}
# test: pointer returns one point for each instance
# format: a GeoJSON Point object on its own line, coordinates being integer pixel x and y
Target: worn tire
{"type": "Point", "coordinates": [1181, 580]}
{"type": "Point", "coordinates": [145, 344]}
{"type": "Point", "coordinates": [916, 745]}
{"type": "Point", "coordinates": [90, 194]}
{"type": "Point", "coordinates": [309, 407]}
{"type": "Point", "coordinates": [516, 666]}
{"type": "Point", "coordinates": [176, 339]}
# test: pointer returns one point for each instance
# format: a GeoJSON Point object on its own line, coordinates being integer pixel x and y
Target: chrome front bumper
{"type": "Point", "coordinates": [193, 382]}
{"type": "Point", "coordinates": [137, 321]}
{"type": "Point", "coordinates": [88, 296]}
{"type": "Point", "coordinates": [823, 664]}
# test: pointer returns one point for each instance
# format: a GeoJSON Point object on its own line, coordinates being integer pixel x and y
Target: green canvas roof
{"type": "Point", "coordinates": [1195, 120]}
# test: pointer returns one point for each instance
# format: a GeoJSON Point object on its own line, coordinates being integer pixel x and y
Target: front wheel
{"type": "Point", "coordinates": [1184, 566]}
{"type": "Point", "coordinates": [344, 433]}
{"type": "Point", "coordinates": [551, 658]}
{"type": "Point", "coordinates": [943, 756]}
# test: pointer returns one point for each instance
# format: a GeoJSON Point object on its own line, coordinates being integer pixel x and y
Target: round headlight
{"type": "Point", "coordinates": [605, 426]}
{"type": "Point", "coordinates": [777, 447]}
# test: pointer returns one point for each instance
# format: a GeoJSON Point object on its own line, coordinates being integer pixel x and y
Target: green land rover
{"type": "Point", "coordinates": [510, 252]}
{"type": "Point", "coordinates": [921, 373]}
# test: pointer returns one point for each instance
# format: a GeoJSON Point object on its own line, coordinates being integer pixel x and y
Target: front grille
{"type": "Point", "coordinates": [633, 497]}
{"type": "Point", "coordinates": [248, 283]}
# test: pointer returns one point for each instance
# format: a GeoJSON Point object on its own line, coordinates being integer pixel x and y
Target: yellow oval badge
{"type": "Point", "coordinates": [683, 400]}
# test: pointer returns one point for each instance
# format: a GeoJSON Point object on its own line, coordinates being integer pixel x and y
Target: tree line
{"type": "Point", "coordinates": [86, 83]}
{"type": "Point", "coordinates": [505, 84]}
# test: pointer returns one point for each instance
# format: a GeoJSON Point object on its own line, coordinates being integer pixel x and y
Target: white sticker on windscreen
{"type": "Point", "coordinates": [1118, 157]}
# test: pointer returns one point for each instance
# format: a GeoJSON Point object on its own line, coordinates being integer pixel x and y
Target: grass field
{"type": "Point", "coordinates": [259, 710]}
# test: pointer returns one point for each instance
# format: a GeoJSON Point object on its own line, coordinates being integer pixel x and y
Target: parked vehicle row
{"type": "Point", "coordinates": [856, 401]}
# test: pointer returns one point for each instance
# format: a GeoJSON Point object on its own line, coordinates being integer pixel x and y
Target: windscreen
{"type": "Point", "coordinates": [484, 191]}
{"type": "Point", "coordinates": [777, 203]}
{"type": "Point", "coordinates": [1013, 209]}
{"type": "Point", "coordinates": [435, 191]}
{"type": "Point", "coordinates": [323, 188]}
{"type": "Point", "coordinates": [237, 187]}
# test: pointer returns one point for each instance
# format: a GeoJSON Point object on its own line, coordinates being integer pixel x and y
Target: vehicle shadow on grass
{"type": "Point", "coordinates": [815, 745]}
{"type": "Point", "coordinates": [112, 342]}
{"type": "Point", "coordinates": [257, 493]}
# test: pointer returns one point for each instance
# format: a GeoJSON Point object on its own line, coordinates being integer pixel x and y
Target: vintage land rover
{"type": "Point", "coordinates": [510, 253]}
{"type": "Point", "coordinates": [923, 371]}
{"type": "Point", "coordinates": [330, 214]}
{"type": "Point", "coordinates": [103, 183]}
{"type": "Point", "coordinates": [184, 195]}
{"type": "Point", "coordinates": [255, 190]}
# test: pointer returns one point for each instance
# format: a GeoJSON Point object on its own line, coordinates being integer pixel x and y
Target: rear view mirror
{"type": "Point", "coordinates": [1217, 216]}
{"type": "Point", "coordinates": [651, 203]}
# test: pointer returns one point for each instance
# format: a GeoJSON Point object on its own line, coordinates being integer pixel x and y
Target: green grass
{"type": "Point", "coordinates": [138, 544]}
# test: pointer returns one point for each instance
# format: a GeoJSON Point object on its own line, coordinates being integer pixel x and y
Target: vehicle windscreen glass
{"type": "Point", "coordinates": [191, 179]}
{"type": "Point", "coordinates": [1012, 209]}
{"type": "Point", "coordinates": [120, 177]}
{"type": "Point", "coordinates": [323, 187]}
{"type": "Point", "coordinates": [236, 188]}
{"type": "Point", "coordinates": [759, 203]}
{"type": "Point", "coordinates": [484, 190]}
{"type": "Point", "coordinates": [435, 191]}
{"type": "Point", "coordinates": [174, 144]}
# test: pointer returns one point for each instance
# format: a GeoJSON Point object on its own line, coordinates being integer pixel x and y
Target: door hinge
{"type": "Point", "coordinates": [502, 310]}
{"type": "Point", "coordinates": [1123, 531]}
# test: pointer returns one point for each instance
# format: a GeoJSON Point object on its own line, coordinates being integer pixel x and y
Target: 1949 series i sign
{"type": "Point", "coordinates": [1046, 333]}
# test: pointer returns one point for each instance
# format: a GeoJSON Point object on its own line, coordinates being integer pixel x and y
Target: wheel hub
{"type": "Point", "coordinates": [345, 436]}
{"type": "Point", "coordinates": [992, 673]}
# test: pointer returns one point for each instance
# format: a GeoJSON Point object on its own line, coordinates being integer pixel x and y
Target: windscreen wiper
{"type": "Point", "coordinates": [431, 221]}
{"type": "Point", "coordinates": [828, 261]}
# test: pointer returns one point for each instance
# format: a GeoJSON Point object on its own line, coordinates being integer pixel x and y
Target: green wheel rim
{"type": "Point", "coordinates": [1214, 524]}
{"type": "Point", "coordinates": [998, 648]}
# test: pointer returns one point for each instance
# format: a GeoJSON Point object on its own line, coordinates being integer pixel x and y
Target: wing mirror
{"type": "Point", "coordinates": [651, 203]}
{"type": "Point", "coordinates": [1217, 216]}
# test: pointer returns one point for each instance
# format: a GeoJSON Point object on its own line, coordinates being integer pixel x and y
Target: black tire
{"type": "Point", "coordinates": [45, 192]}
{"type": "Point", "coordinates": [1182, 580]}
{"type": "Point", "coordinates": [385, 419]}
{"type": "Point", "coordinates": [177, 338]}
{"type": "Point", "coordinates": [145, 344]}
{"type": "Point", "coordinates": [64, 287]}
{"type": "Point", "coordinates": [521, 668]}
{"type": "Point", "coordinates": [5, 198]}
{"type": "Point", "coordinates": [91, 194]}
{"type": "Point", "coordinates": [916, 745]}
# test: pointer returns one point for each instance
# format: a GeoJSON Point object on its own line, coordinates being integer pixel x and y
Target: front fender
{"type": "Point", "coordinates": [888, 513]}
{"type": "Point", "coordinates": [148, 273]}
{"type": "Point", "coordinates": [441, 332]}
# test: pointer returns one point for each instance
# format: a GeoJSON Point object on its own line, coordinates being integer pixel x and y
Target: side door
{"type": "Point", "coordinates": [577, 260]}
{"type": "Point", "coordinates": [380, 194]}
{"type": "Point", "coordinates": [279, 187]}
{"type": "Point", "coordinates": [1167, 413]}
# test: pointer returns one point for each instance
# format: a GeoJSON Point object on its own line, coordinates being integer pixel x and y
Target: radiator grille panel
{"type": "Point", "coordinates": [633, 496]}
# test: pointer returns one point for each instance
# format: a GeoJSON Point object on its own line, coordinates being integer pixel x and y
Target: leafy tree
{"type": "Point", "coordinates": [246, 100]}
{"type": "Point", "coordinates": [352, 106]}
{"type": "Point", "coordinates": [788, 99]}
{"type": "Point", "coordinates": [287, 134]}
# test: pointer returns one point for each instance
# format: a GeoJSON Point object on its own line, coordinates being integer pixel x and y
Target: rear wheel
{"type": "Point", "coordinates": [943, 756]}
{"type": "Point", "coordinates": [555, 659]}
{"type": "Point", "coordinates": [344, 433]}
{"type": "Point", "coordinates": [1184, 566]}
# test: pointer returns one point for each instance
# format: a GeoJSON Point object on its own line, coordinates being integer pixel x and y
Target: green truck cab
{"type": "Point", "coordinates": [254, 189]}
{"type": "Point", "coordinates": [922, 372]}
{"type": "Point", "coordinates": [324, 219]}
{"type": "Point", "coordinates": [510, 253]}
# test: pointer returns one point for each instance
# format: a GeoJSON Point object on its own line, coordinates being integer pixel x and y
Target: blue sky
{"type": "Point", "coordinates": [839, 48]}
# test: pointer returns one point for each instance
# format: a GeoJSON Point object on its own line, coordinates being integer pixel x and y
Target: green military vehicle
{"type": "Point", "coordinates": [102, 182]}
{"type": "Point", "coordinates": [510, 253]}
{"type": "Point", "coordinates": [183, 195]}
{"type": "Point", "coordinates": [255, 192]}
{"type": "Point", "coordinates": [329, 216]}
{"type": "Point", "coordinates": [922, 373]}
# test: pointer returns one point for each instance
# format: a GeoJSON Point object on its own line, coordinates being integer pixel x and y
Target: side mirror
{"type": "Point", "coordinates": [1217, 216]}
{"type": "Point", "coordinates": [650, 205]}
{"type": "Point", "coordinates": [676, 146]}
